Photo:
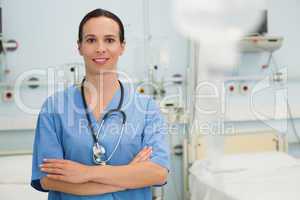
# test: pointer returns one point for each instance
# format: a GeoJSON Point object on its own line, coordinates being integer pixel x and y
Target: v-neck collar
{"type": "Point", "coordinates": [113, 104]}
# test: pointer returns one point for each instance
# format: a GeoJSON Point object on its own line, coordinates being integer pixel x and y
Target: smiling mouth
{"type": "Point", "coordinates": [100, 61]}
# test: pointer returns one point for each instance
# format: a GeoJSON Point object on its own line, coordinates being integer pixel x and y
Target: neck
{"type": "Point", "coordinates": [99, 90]}
{"type": "Point", "coordinates": [104, 83]}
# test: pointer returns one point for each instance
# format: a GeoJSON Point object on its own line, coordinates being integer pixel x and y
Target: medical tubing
{"type": "Point", "coordinates": [99, 130]}
{"type": "Point", "coordinates": [117, 145]}
{"type": "Point", "coordinates": [291, 118]}
{"type": "Point", "coordinates": [86, 113]}
{"type": "Point", "coordinates": [96, 136]}
{"type": "Point", "coordinates": [122, 96]}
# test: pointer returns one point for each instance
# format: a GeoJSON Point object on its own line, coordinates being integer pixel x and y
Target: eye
{"type": "Point", "coordinates": [90, 40]}
{"type": "Point", "coordinates": [110, 40]}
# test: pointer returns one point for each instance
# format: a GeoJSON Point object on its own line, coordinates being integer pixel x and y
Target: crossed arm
{"type": "Point", "coordinates": [88, 188]}
{"type": "Point", "coordinates": [74, 178]}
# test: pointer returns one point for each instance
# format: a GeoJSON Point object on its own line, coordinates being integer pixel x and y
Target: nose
{"type": "Point", "coordinates": [101, 48]}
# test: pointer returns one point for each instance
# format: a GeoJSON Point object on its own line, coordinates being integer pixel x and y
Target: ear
{"type": "Point", "coordinates": [123, 45]}
{"type": "Point", "coordinates": [79, 47]}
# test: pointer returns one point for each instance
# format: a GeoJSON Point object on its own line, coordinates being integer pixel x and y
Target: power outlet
{"type": "Point", "coordinates": [245, 88]}
{"type": "Point", "coordinates": [7, 96]}
{"type": "Point", "coordinates": [232, 88]}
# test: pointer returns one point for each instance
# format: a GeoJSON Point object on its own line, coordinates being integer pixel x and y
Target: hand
{"type": "Point", "coordinates": [65, 170]}
{"type": "Point", "coordinates": [143, 155]}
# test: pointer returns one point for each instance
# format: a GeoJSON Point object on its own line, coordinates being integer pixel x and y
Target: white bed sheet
{"type": "Point", "coordinates": [15, 176]}
{"type": "Point", "coordinates": [20, 191]}
{"type": "Point", "coordinates": [263, 176]}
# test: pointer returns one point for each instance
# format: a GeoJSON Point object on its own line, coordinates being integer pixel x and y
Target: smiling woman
{"type": "Point", "coordinates": [101, 140]}
{"type": "Point", "coordinates": [101, 42]}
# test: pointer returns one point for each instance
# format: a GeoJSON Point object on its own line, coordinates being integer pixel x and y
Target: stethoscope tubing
{"type": "Point", "coordinates": [106, 115]}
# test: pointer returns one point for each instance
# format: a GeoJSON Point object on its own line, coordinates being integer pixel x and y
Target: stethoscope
{"type": "Point", "coordinates": [98, 150]}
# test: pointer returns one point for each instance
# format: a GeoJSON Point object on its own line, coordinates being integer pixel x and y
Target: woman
{"type": "Point", "coordinates": [74, 156]}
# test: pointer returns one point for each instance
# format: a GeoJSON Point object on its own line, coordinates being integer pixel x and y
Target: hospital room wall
{"type": "Point", "coordinates": [47, 34]}
{"type": "Point", "coordinates": [61, 48]}
{"type": "Point", "coordinates": [282, 21]}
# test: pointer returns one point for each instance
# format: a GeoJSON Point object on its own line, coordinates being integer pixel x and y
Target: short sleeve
{"type": "Point", "coordinates": [47, 143]}
{"type": "Point", "coordinates": [155, 135]}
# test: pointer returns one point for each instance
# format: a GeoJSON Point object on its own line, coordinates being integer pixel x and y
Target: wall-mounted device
{"type": "Point", "coordinates": [6, 45]}
{"type": "Point", "coordinates": [257, 40]}
{"type": "Point", "coordinates": [10, 45]}
{"type": "Point", "coordinates": [7, 95]}
{"type": "Point", "coordinates": [232, 87]}
{"type": "Point", "coordinates": [261, 43]}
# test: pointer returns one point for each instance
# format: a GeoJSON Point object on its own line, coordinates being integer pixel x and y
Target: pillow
{"type": "Point", "coordinates": [246, 162]}
{"type": "Point", "coordinates": [20, 191]}
{"type": "Point", "coordinates": [15, 169]}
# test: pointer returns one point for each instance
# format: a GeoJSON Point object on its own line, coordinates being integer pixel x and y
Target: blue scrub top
{"type": "Point", "coordinates": [62, 132]}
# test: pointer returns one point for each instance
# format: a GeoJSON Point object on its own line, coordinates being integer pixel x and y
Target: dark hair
{"type": "Point", "coordinates": [101, 13]}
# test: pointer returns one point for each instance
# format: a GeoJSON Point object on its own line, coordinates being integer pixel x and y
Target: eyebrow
{"type": "Point", "coordinates": [110, 36]}
{"type": "Point", "coordinates": [92, 35]}
{"type": "Point", "coordinates": [89, 35]}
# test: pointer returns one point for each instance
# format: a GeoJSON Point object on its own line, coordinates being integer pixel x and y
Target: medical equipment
{"type": "Point", "coordinates": [8, 95]}
{"type": "Point", "coordinates": [98, 149]}
{"type": "Point", "coordinates": [5, 46]}
{"type": "Point", "coordinates": [34, 81]}
{"type": "Point", "coordinates": [261, 43]}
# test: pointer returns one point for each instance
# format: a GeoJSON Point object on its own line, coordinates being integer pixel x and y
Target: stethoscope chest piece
{"type": "Point", "coordinates": [98, 153]}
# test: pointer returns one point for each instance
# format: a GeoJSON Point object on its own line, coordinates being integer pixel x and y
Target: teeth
{"type": "Point", "coordinates": [100, 60]}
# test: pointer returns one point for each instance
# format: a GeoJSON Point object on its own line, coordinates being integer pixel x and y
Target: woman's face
{"type": "Point", "coordinates": [100, 45]}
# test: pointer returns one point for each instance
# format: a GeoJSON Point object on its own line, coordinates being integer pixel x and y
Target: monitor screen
{"type": "Point", "coordinates": [262, 28]}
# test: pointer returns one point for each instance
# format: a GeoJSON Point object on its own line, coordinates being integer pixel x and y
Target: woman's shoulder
{"type": "Point", "coordinates": [58, 98]}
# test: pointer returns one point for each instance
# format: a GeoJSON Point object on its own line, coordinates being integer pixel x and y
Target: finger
{"type": "Point", "coordinates": [143, 155]}
{"type": "Point", "coordinates": [52, 165]}
{"type": "Point", "coordinates": [140, 153]}
{"type": "Point", "coordinates": [46, 160]}
{"type": "Point", "coordinates": [146, 156]}
{"type": "Point", "coordinates": [137, 157]}
{"type": "Point", "coordinates": [145, 151]}
{"type": "Point", "coordinates": [135, 160]}
{"type": "Point", "coordinates": [53, 171]}
{"type": "Point", "coordinates": [56, 177]}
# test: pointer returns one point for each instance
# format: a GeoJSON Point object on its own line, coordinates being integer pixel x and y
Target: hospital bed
{"type": "Point", "coordinates": [254, 167]}
{"type": "Point", "coordinates": [15, 175]}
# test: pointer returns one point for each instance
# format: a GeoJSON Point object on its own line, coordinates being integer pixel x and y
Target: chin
{"type": "Point", "coordinates": [105, 69]}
